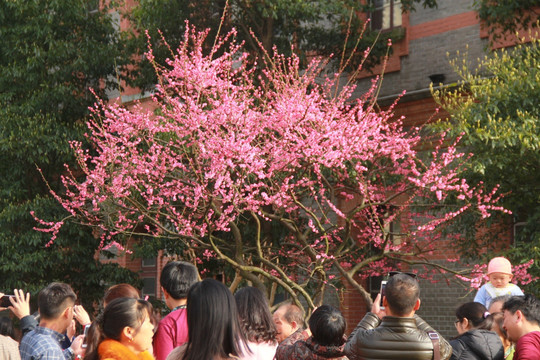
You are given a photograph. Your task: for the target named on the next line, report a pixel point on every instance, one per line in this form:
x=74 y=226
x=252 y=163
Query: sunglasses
x=392 y=273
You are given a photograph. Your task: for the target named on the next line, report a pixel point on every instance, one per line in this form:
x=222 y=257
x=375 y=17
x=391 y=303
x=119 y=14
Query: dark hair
x=6 y=327
x=177 y=277
x=402 y=291
x=527 y=304
x=120 y=291
x=118 y=314
x=293 y=313
x=213 y=322
x=476 y=314
x=327 y=325
x=255 y=316
x=54 y=299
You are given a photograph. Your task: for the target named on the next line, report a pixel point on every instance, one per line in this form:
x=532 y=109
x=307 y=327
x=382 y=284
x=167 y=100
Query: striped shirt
x=43 y=344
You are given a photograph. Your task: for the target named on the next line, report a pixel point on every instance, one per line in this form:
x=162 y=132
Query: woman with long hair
x=257 y=324
x=123 y=331
x=476 y=341
x=213 y=324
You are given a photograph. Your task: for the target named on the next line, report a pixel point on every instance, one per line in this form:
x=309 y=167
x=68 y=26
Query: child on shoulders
x=500 y=275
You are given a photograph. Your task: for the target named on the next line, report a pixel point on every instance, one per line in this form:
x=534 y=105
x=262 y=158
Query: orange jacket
x=114 y=350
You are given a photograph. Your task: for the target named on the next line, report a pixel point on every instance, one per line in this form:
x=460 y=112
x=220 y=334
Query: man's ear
x=519 y=316
x=166 y=295
x=294 y=325
x=68 y=312
x=417 y=305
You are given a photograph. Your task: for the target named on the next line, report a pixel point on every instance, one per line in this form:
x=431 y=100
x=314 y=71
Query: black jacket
x=393 y=338
x=477 y=345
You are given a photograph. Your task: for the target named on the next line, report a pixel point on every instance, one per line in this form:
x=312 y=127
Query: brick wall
x=439 y=302
x=433 y=36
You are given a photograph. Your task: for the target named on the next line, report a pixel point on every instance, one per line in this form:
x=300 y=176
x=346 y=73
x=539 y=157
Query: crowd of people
x=207 y=322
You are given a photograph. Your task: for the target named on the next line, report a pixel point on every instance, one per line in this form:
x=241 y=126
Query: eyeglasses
x=392 y=273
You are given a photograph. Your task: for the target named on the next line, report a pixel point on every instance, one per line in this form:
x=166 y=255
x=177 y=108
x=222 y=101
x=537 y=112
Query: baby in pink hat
x=500 y=274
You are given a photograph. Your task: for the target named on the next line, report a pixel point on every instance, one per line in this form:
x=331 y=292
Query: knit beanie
x=499 y=265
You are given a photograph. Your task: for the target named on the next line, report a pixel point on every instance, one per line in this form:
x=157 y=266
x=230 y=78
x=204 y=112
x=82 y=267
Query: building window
x=149 y=286
x=149 y=262
x=386 y=14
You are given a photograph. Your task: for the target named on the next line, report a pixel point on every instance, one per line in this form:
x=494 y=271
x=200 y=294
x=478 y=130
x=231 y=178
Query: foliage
x=285 y=179
x=315 y=27
x=496 y=107
x=509 y=16
x=47 y=63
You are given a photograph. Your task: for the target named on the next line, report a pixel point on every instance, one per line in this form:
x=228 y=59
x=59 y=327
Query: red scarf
x=114 y=350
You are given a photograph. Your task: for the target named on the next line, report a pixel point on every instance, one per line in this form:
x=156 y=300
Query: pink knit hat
x=499 y=265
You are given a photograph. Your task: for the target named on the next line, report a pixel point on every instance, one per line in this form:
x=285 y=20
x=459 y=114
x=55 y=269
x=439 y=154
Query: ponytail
x=94 y=337
x=476 y=314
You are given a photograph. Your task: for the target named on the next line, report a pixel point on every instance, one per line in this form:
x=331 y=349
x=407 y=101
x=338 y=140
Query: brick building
x=419 y=59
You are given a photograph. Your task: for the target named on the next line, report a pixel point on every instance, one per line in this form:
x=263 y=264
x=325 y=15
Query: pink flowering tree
x=277 y=174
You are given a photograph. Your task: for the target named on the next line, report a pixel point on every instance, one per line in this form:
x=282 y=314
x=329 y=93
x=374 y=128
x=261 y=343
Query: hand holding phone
x=84 y=343
x=5 y=301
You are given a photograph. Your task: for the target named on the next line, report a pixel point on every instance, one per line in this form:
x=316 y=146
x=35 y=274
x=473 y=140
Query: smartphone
x=4 y=300
x=383 y=287
x=84 y=343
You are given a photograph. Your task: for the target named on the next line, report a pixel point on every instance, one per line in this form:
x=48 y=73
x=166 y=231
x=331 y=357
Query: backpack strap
x=435 y=340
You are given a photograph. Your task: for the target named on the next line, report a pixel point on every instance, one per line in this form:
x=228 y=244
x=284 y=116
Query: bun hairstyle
x=118 y=314
x=476 y=314
x=327 y=325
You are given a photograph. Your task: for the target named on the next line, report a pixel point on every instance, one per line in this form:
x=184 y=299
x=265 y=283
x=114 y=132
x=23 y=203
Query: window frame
x=391 y=15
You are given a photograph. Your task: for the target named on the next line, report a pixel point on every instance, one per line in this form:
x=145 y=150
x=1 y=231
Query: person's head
x=6 y=327
x=497 y=326
x=120 y=291
x=499 y=272
x=177 y=277
x=214 y=329
x=472 y=315
x=288 y=318
x=255 y=316
x=125 y=320
x=521 y=316
x=402 y=295
x=327 y=326
x=496 y=304
x=55 y=304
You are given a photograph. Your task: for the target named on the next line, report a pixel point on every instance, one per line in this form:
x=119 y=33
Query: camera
x=4 y=300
